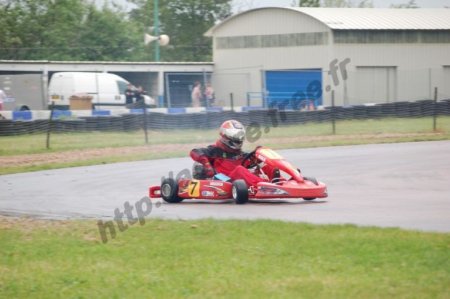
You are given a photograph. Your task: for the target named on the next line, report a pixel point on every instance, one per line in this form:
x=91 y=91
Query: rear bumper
x=291 y=189
x=154 y=192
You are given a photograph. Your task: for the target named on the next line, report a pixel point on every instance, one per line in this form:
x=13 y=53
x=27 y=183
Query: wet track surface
x=403 y=185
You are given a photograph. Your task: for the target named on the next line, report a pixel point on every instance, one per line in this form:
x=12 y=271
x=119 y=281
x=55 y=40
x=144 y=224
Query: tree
x=309 y=3
x=39 y=29
x=109 y=36
x=57 y=30
x=335 y=3
x=65 y=30
x=410 y=4
x=243 y=5
x=365 y=4
x=185 y=21
x=9 y=30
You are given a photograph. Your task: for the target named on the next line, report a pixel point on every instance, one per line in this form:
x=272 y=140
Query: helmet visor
x=233 y=143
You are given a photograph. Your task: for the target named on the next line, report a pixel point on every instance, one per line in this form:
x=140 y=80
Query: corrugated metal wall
x=242 y=70
x=377 y=73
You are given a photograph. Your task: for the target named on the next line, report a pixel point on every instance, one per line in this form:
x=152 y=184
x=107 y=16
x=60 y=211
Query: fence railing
x=145 y=119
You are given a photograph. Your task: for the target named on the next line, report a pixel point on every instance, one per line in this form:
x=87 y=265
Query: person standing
x=2 y=99
x=129 y=94
x=196 y=94
x=209 y=95
x=139 y=94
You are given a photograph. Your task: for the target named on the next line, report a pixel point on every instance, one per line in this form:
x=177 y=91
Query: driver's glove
x=209 y=170
x=253 y=161
x=207 y=167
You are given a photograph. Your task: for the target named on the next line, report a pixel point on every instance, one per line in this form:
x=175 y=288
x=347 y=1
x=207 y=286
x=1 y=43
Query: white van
x=107 y=90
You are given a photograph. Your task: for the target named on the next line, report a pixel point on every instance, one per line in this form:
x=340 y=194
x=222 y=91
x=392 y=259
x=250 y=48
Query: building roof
x=368 y=18
x=381 y=18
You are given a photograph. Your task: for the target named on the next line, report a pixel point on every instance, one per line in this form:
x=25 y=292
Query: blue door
x=294 y=89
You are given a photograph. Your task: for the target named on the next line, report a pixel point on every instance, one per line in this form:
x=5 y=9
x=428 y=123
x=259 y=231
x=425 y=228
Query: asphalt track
x=404 y=185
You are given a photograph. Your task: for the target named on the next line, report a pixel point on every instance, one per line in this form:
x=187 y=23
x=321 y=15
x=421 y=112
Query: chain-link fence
x=257 y=97
x=138 y=119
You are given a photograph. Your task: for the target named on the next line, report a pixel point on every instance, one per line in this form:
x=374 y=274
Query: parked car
x=107 y=90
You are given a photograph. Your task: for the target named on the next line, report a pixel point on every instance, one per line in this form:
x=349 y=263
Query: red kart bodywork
x=292 y=185
x=205 y=189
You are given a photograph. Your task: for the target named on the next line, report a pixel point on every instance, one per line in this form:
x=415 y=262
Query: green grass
x=59 y=142
x=222 y=259
x=88 y=162
x=367 y=126
x=35 y=143
x=352 y=132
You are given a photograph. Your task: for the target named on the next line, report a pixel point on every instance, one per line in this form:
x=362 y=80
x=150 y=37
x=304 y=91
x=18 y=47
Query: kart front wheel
x=239 y=192
x=169 y=191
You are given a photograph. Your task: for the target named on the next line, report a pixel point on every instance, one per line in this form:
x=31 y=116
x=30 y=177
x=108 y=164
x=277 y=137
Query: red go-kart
x=291 y=184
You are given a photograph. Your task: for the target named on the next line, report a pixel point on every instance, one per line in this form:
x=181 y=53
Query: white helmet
x=232 y=134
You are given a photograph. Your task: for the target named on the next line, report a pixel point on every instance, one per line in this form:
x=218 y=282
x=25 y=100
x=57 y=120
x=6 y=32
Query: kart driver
x=226 y=156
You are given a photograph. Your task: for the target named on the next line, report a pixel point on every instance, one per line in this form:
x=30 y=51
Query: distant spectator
x=196 y=94
x=209 y=95
x=2 y=99
x=139 y=94
x=129 y=94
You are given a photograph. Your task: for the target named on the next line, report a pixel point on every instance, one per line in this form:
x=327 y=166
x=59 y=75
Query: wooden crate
x=80 y=102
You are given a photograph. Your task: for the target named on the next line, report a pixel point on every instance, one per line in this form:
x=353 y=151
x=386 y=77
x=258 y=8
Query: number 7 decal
x=194 y=188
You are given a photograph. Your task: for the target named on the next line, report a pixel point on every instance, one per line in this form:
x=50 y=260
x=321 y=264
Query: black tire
x=239 y=192
x=309 y=198
x=169 y=191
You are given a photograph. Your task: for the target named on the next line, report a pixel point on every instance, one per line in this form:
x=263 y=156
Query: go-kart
x=290 y=184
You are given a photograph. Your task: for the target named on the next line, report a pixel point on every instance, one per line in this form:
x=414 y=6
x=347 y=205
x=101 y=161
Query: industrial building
x=286 y=56
x=366 y=55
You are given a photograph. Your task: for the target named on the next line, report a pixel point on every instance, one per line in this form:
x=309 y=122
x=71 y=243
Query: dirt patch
x=29 y=223
x=91 y=154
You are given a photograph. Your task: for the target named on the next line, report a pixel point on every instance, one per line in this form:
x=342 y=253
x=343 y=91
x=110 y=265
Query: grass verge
x=88 y=162
x=28 y=152
x=221 y=259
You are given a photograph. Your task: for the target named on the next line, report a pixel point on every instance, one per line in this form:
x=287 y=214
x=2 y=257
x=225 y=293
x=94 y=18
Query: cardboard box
x=80 y=102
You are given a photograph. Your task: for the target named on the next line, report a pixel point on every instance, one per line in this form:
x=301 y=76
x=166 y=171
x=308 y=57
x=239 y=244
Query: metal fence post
x=145 y=122
x=435 y=108
x=231 y=102
x=333 y=120
x=50 y=124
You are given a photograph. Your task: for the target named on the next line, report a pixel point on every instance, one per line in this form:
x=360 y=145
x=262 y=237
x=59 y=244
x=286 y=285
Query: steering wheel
x=249 y=155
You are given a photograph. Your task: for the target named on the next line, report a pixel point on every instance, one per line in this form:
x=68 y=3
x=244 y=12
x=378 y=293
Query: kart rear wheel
x=239 y=192
x=169 y=191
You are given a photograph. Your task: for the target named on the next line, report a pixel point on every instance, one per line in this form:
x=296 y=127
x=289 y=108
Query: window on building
x=391 y=36
x=272 y=40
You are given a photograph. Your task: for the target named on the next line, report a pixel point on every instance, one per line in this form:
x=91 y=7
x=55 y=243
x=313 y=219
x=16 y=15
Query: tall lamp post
x=156 y=27
x=162 y=40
